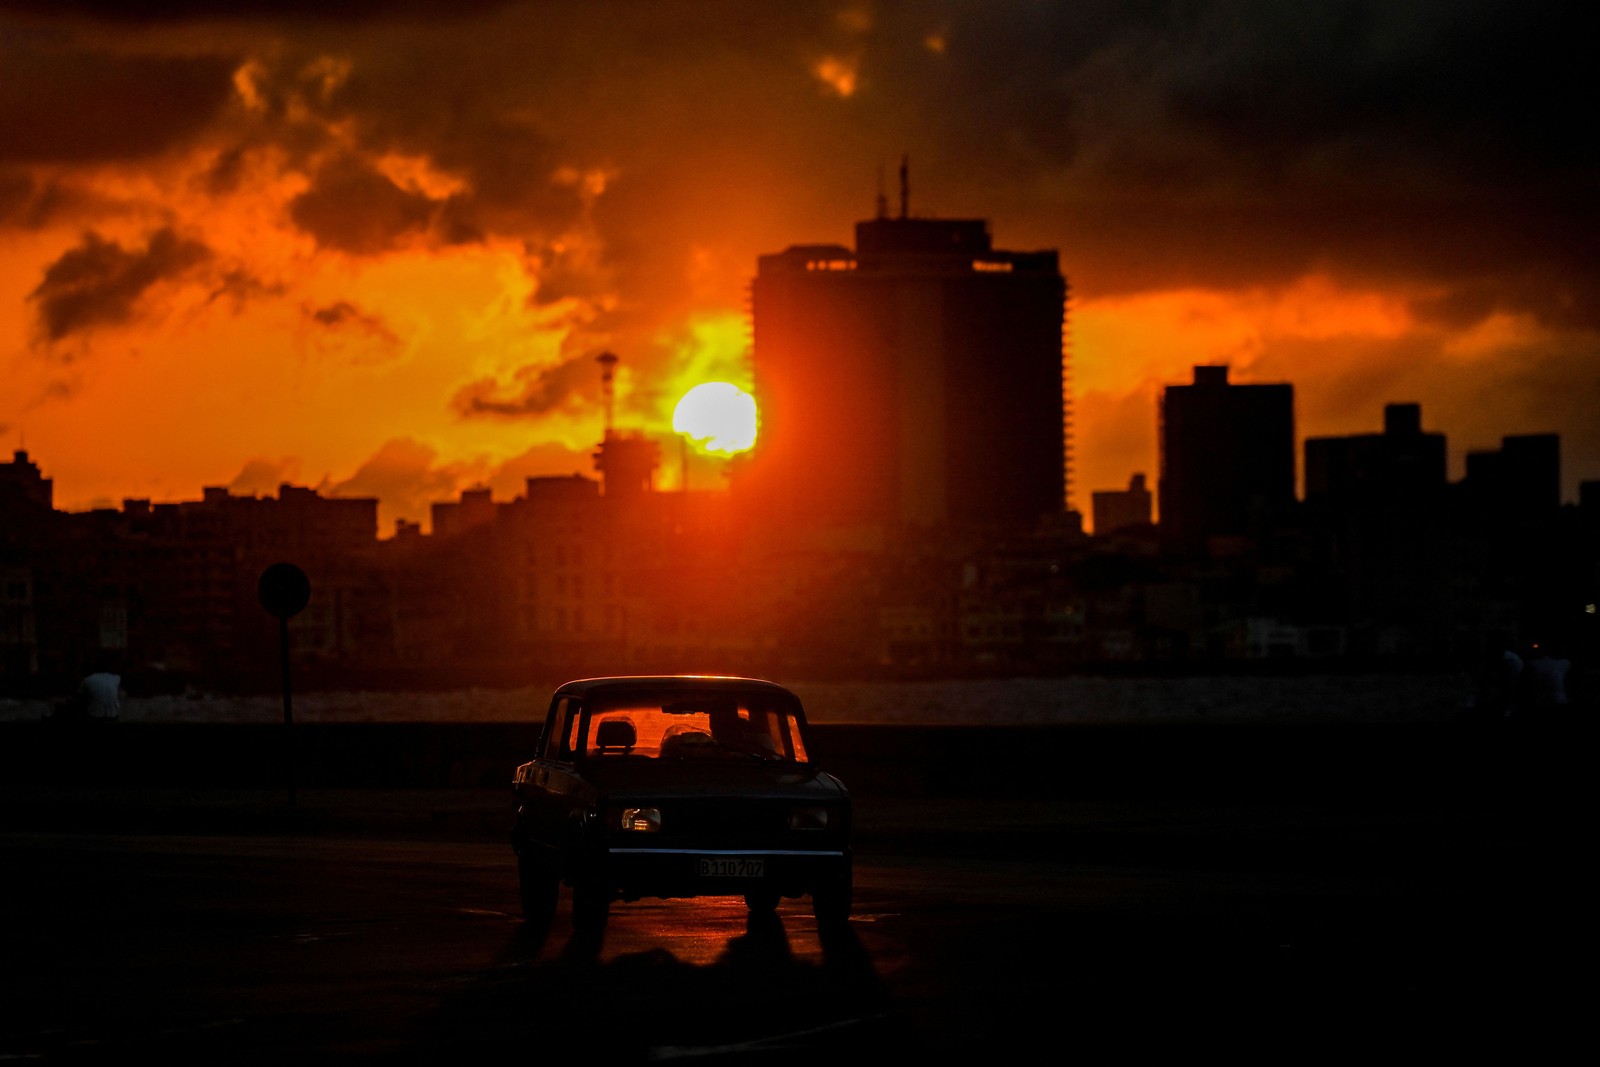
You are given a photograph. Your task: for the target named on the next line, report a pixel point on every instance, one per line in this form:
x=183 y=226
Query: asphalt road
x=220 y=927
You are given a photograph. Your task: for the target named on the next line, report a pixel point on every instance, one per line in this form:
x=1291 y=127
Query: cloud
x=262 y=477
x=343 y=315
x=641 y=156
x=17 y=195
x=303 y=11
x=408 y=477
x=353 y=208
x=63 y=105
x=509 y=479
x=100 y=283
x=403 y=476
x=570 y=385
x=240 y=287
x=1113 y=437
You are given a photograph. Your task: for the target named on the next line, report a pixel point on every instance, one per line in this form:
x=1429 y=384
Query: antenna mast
x=905 y=187
x=608 y=363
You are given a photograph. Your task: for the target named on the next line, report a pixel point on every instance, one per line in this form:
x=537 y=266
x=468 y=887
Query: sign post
x=285 y=591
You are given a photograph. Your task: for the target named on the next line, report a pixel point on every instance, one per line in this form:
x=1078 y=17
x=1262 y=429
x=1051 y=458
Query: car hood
x=706 y=778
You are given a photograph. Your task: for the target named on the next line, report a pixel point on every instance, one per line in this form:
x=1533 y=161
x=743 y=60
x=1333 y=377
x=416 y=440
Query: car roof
x=670 y=683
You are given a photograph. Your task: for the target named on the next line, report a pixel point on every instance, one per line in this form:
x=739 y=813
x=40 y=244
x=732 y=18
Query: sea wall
x=1057 y=761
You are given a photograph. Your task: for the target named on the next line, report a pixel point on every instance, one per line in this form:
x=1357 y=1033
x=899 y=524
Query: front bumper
x=634 y=871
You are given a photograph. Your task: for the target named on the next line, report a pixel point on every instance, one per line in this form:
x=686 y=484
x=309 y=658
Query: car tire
x=831 y=901
x=591 y=906
x=539 y=887
x=762 y=901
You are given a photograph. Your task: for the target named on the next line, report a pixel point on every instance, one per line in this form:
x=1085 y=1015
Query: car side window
x=563 y=723
x=574 y=721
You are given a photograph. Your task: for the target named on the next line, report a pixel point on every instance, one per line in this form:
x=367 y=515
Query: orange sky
x=376 y=251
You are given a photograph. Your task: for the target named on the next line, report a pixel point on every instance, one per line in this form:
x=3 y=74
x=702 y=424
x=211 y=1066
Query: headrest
x=615 y=733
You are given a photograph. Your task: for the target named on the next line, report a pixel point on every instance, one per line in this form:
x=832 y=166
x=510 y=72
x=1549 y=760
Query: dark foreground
x=1278 y=897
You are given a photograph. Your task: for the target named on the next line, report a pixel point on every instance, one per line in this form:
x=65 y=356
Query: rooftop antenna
x=883 y=197
x=608 y=364
x=905 y=187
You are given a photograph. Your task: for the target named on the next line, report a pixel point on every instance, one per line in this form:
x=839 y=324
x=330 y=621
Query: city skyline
x=377 y=254
x=478 y=496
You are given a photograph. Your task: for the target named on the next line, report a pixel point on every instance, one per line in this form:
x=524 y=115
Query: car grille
x=719 y=819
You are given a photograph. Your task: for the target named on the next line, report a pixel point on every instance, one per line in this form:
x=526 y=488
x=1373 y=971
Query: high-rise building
x=1401 y=467
x=914 y=381
x=1227 y=459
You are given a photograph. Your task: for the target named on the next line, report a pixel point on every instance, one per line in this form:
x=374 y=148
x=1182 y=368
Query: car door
x=552 y=795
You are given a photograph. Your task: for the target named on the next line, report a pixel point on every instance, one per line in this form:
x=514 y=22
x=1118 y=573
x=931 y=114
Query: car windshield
x=711 y=727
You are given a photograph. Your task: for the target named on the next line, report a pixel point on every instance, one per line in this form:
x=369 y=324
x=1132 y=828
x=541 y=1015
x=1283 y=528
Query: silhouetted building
x=1227 y=459
x=22 y=483
x=627 y=462
x=1398 y=568
x=476 y=507
x=1118 y=509
x=1402 y=466
x=1512 y=499
x=1521 y=480
x=916 y=380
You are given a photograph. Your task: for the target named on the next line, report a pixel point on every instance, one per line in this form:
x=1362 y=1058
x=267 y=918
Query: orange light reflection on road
x=702 y=932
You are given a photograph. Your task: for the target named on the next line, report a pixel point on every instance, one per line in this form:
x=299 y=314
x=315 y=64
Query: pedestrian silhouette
x=1544 y=684
x=1495 y=688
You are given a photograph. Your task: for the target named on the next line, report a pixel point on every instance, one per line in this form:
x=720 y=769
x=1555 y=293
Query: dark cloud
x=100 y=283
x=240 y=287
x=343 y=315
x=353 y=208
x=305 y=11
x=17 y=197
x=1475 y=84
x=334 y=314
x=1403 y=146
x=452 y=103
x=70 y=106
x=536 y=391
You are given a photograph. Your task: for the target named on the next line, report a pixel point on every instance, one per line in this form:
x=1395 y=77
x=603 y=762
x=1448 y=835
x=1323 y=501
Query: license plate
x=732 y=867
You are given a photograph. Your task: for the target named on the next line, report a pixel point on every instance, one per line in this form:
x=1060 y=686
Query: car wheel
x=591 y=905
x=762 y=900
x=539 y=887
x=831 y=900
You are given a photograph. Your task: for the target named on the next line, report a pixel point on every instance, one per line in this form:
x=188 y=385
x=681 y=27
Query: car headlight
x=640 y=820
x=808 y=817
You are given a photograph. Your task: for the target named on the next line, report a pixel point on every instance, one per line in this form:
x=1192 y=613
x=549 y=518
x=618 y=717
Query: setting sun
x=718 y=416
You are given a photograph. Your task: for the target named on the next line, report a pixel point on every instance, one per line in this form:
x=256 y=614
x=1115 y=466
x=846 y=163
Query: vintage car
x=678 y=786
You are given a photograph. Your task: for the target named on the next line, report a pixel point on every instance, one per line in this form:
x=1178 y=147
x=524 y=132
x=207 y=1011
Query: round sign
x=284 y=590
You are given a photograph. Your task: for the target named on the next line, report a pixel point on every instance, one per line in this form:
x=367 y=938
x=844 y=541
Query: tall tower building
x=1227 y=459
x=916 y=380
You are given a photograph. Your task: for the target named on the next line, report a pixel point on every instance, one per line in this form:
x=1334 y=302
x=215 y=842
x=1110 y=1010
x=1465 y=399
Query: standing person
x=1497 y=684
x=1544 y=688
x=98 y=697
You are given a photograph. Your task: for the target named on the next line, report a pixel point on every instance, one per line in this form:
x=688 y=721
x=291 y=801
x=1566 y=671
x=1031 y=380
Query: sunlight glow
x=718 y=416
x=837 y=74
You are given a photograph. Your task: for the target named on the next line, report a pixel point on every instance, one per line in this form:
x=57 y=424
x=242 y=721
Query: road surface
x=381 y=926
